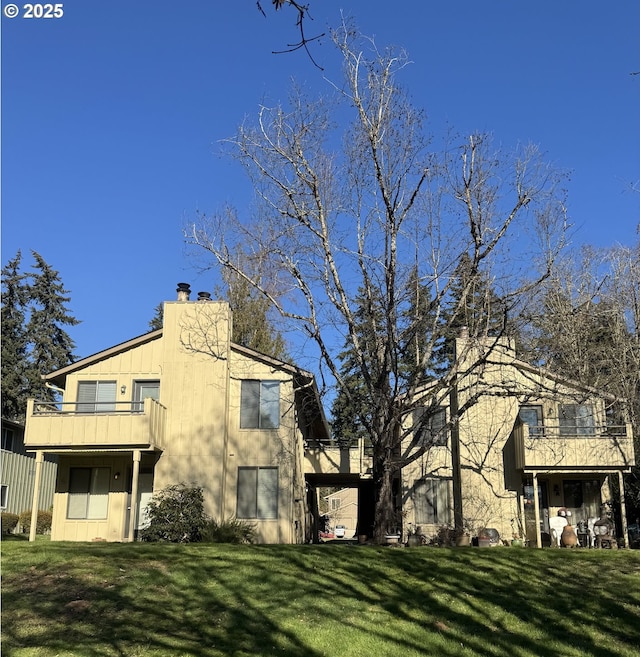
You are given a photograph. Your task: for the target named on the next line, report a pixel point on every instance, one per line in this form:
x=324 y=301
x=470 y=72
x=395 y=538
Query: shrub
x=9 y=522
x=229 y=531
x=176 y=515
x=43 y=523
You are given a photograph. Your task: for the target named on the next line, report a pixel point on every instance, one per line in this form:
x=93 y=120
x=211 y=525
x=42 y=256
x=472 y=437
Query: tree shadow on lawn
x=204 y=600
x=500 y=602
x=180 y=605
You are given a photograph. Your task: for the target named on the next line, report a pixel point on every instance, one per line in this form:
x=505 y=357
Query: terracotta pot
x=568 y=537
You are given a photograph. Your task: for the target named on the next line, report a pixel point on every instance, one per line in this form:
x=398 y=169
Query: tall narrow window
x=532 y=417
x=4 y=496
x=96 y=396
x=260 y=404
x=142 y=390
x=88 y=493
x=431 y=501
x=576 y=420
x=430 y=431
x=257 y=493
x=7 y=438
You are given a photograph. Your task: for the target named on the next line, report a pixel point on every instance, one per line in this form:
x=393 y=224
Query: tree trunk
x=385 y=516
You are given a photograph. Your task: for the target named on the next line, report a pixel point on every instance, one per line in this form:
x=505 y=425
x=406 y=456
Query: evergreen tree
x=349 y=408
x=472 y=305
x=252 y=324
x=14 y=341
x=51 y=347
x=157 y=320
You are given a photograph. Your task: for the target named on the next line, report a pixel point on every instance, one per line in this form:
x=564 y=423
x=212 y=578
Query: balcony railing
x=106 y=424
x=573 y=447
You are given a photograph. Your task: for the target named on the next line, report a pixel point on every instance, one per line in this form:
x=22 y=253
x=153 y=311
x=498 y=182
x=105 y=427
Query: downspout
x=36 y=495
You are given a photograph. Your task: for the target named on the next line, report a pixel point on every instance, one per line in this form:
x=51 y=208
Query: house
x=342 y=509
x=18 y=473
x=527 y=444
x=182 y=404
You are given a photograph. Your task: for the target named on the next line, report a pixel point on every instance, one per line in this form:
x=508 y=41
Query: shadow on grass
x=203 y=600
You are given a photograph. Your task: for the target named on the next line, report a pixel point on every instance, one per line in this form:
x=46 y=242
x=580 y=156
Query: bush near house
x=43 y=523
x=229 y=531
x=9 y=522
x=176 y=515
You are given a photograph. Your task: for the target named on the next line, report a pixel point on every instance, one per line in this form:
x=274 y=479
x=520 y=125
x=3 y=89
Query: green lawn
x=354 y=601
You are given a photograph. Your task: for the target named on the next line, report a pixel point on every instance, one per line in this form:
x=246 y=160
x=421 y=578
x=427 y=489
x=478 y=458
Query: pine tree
x=478 y=310
x=51 y=346
x=14 y=341
x=252 y=325
x=157 y=319
x=349 y=408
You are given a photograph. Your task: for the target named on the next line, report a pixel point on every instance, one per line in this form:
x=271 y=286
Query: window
x=431 y=502
x=532 y=417
x=88 y=493
x=260 y=405
x=7 y=438
x=4 y=495
x=96 y=396
x=576 y=420
x=335 y=503
x=257 y=493
x=142 y=390
x=430 y=431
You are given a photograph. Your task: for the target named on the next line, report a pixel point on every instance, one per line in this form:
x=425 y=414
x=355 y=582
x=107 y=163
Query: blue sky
x=112 y=117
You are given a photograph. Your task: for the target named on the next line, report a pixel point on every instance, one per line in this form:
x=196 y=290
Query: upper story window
x=335 y=503
x=532 y=417
x=430 y=431
x=96 y=396
x=576 y=420
x=142 y=390
x=7 y=438
x=260 y=404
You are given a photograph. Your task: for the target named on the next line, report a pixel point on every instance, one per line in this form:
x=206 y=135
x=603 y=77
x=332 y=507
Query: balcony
x=53 y=426
x=330 y=459
x=555 y=447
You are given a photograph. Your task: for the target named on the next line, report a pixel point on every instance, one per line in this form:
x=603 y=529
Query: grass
x=102 y=600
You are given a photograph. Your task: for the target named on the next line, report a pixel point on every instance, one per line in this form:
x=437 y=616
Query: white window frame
x=258 y=492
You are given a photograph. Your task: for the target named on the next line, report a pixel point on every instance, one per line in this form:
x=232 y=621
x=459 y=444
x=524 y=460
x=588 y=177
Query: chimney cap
x=204 y=296
x=184 y=290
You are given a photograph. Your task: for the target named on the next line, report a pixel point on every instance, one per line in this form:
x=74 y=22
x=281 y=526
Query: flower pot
x=392 y=539
x=464 y=540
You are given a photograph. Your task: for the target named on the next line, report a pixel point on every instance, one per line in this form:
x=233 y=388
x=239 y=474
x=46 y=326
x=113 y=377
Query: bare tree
x=374 y=212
